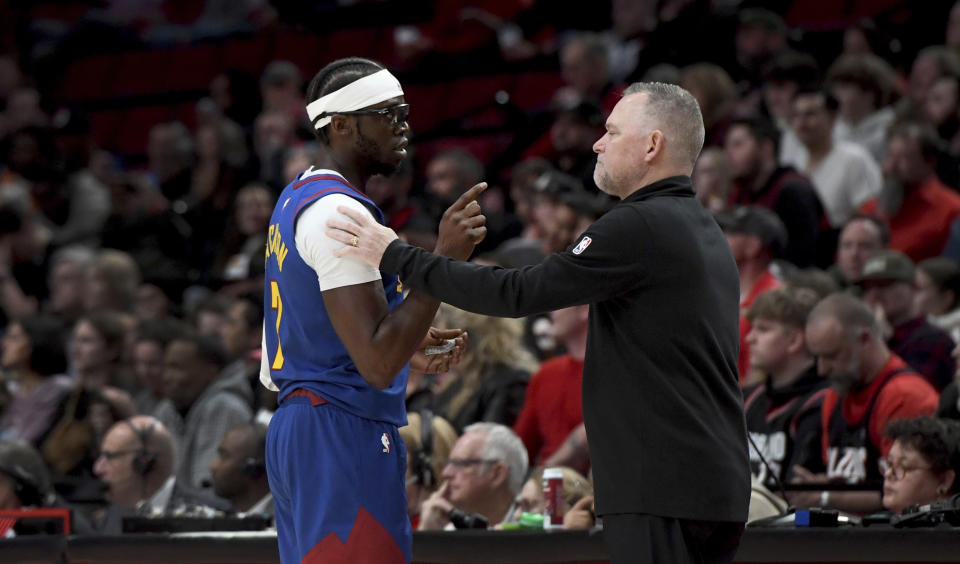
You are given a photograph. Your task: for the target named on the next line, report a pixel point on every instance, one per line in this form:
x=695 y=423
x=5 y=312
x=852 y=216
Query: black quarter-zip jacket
x=661 y=402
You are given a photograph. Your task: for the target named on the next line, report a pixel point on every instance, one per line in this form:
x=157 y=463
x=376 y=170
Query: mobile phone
x=446 y=347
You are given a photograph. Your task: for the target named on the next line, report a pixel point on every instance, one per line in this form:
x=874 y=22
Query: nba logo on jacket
x=582 y=245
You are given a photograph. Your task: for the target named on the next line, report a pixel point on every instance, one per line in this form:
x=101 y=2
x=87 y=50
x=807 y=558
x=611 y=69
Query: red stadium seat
x=187 y=114
x=472 y=93
x=70 y=12
x=250 y=55
x=182 y=11
x=105 y=126
x=427 y=105
x=142 y=72
x=132 y=136
x=533 y=90
x=350 y=42
x=92 y=77
x=301 y=49
x=192 y=67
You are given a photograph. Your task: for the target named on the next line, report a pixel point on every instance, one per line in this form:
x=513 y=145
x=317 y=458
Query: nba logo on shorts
x=385 y=440
x=582 y=246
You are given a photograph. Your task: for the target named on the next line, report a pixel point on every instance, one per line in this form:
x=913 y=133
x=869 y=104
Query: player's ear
x=340 y=126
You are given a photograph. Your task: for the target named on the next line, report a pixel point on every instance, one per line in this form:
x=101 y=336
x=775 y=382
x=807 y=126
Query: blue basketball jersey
x=302 y=347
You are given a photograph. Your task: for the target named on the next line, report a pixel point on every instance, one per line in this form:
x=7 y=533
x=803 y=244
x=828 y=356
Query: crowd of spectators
x=131 y=297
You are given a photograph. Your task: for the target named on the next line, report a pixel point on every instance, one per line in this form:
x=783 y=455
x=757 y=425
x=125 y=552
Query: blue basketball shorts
x=338 y=486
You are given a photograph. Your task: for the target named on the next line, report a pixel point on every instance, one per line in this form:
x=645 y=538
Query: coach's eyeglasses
x=396 y=115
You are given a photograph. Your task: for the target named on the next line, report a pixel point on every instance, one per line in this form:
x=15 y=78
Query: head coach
x=661 y=403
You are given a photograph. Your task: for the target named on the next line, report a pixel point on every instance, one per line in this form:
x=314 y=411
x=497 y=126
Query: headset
x=255 y=466
x=25 y=487
x=421 y=461
x=143 y=461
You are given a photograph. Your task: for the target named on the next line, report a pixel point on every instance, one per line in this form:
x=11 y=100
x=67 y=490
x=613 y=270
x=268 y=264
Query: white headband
x=361 y=93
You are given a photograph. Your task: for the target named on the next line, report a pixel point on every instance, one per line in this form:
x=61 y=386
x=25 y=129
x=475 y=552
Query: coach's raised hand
x=463 y=225
x=461 y=228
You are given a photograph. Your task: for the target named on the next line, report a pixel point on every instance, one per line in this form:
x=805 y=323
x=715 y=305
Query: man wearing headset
x=24 y=478
x=25 y=484
x=429 y=440
x=136 y=463
x=239 y=473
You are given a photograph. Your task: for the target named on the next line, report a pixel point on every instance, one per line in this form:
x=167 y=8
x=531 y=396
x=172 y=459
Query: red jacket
x=919 y=229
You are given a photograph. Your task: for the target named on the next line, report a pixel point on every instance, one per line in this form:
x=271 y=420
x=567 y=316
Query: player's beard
x=372 y=155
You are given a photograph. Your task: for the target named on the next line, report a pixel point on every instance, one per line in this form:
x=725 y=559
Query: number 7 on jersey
x=277 y=304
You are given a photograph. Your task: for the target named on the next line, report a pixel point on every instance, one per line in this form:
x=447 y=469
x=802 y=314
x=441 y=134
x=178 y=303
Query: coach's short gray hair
x=676 y=112
x=501 y=443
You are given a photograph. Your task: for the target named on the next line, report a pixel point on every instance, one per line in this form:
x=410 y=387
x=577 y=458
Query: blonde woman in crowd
x=577 y=494
x=490 y=383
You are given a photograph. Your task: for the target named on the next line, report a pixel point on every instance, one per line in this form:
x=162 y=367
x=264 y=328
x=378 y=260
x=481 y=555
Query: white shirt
x=870 y=133
x=316 y=249
x=949 y=322
x=158 y=502
x=791 y=149
x=846 y=178
x=265 y=505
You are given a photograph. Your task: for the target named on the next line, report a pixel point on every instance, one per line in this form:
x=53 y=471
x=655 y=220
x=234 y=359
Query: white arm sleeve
x=316 y=248
x=265 y=378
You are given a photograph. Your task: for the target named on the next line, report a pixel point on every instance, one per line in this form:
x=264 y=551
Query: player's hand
x=580 y=516
x=463 y=225
x=362 y=237
x=438 y=363
x=434 y=511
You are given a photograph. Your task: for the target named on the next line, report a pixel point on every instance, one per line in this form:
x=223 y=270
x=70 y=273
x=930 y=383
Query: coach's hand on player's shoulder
x=462 y=226
x=434 y=511
x=362 y=237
